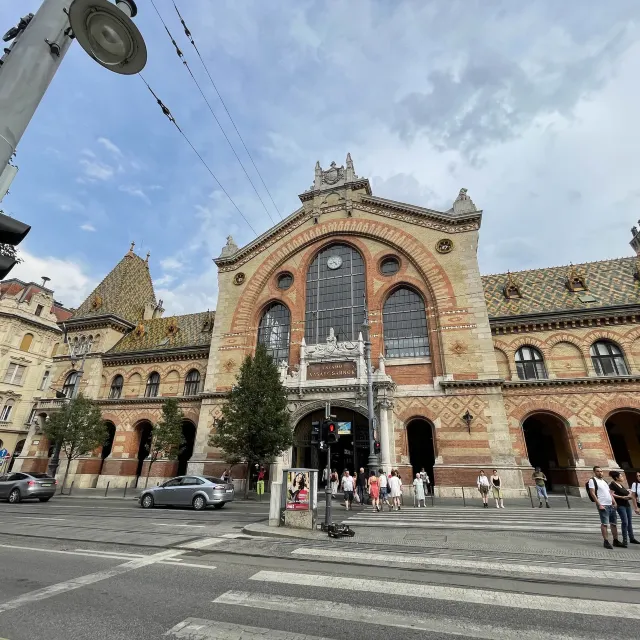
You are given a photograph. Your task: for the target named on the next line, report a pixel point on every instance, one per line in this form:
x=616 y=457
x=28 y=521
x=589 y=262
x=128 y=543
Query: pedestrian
x=635 y=487
x=601 y=494
x=540 y=479
x=356 y=497
x=325 y=475
x=226 y=475
x=374 y=490
x=625 y=500
x=383 y=482
x=496 y=488
x=347 y=488
x=483 y=488
x=260 y=481
x=362 y=485
x=419 y=485
x=424 y=476
x=395 y=485
x=335 y=482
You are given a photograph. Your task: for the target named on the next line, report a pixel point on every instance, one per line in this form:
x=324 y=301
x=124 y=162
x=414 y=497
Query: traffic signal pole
x=327 y=491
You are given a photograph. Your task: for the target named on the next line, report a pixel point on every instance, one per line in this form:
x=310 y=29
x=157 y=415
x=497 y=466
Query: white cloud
x=87 y=227
x=170 y=264
x=96 y=170
x=136 y=192
x=110 y=146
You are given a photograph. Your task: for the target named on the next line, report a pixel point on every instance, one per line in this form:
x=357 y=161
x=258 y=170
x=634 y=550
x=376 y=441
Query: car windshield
x=214 y=480
x=40 y=475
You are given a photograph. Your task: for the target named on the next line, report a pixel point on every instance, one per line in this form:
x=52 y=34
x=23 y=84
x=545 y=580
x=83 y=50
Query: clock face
x=334 y=262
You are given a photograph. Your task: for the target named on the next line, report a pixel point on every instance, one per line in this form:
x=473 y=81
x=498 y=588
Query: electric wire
x=169 y=115
x=180 y=55
x=192 y=41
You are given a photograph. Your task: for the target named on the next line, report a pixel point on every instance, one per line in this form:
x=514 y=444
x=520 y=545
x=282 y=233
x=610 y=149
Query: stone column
x=384 y=406
x=282 y=462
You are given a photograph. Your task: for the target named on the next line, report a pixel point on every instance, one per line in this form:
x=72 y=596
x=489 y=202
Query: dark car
x=15 y=487
x=198 y=492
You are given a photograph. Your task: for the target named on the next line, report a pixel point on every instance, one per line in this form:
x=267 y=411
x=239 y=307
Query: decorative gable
x=511 y=288
x=576 y=280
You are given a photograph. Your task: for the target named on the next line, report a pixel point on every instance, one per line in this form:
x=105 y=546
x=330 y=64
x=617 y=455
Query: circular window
x=285 y=280
x=389 y=266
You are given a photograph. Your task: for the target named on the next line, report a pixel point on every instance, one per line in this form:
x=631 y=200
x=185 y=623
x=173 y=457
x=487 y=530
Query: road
x=198 y=577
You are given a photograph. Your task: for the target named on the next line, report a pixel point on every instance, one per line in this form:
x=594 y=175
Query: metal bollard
x=531 y=498
x=432 y=493
x=566 y=496
x=71 y=487
x=464 y=500
x=107 y=489
x=124 y=495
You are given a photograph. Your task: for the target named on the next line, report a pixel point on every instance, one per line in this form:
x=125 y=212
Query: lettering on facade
x=322 y=370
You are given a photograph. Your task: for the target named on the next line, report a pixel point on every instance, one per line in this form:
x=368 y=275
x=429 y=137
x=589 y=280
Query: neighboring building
x=505 y=371
x=29 y=337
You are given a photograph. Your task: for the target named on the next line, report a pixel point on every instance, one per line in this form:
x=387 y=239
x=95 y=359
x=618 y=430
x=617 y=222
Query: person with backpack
x=600 y=493
x=625 y=499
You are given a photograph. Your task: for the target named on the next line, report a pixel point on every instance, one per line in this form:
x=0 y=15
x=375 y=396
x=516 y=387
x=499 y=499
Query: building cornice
x=141 y=400
x=571 y=382
x=166 y=355
x=98 y=322
x=362 y=183
x=32 y=321
x=468 y=384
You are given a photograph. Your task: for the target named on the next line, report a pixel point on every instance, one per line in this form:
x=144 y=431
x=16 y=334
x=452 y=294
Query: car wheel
x=219 y=506
x=199 y=503
x=44 y=499
x=14 y=496
x=147 y=501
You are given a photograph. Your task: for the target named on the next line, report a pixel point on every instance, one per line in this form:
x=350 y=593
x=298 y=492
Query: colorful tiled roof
x=174 y=332
x=123 y=293
x=609 y=283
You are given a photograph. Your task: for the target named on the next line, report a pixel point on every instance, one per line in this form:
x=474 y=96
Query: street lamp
x=372 y=462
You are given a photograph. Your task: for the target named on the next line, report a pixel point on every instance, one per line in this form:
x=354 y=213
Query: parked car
x=15 y=487
x=183 y=491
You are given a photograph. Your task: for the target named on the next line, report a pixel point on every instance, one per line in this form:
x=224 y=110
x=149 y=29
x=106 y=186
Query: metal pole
x=566 y=496
x=28 y=69
x=124 y=495
x=107 y=489
x=531 y=498
x=464 y=501
x=372 y=462
x=327 y=490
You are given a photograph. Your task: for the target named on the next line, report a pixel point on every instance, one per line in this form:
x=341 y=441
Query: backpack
x=595 y=487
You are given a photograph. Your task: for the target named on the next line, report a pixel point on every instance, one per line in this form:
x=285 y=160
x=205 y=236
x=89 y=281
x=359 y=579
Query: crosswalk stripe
x=200 y=629
x=454 y=563
x=466 y=525
x=385 y=617
x=457 y=594
x=200 y=543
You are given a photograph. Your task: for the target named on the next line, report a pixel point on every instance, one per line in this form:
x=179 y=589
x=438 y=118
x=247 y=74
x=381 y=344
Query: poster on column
x=298 y=490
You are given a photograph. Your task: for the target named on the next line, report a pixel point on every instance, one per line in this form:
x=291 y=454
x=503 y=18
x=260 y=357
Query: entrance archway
x=547 y=442
x=145 y=430
x=623 y=429
x=108 y=441
x=186 y=450
x=422 y=453
x=351 y=452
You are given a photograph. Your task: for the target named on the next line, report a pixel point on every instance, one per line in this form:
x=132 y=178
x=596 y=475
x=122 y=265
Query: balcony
x=50 y=404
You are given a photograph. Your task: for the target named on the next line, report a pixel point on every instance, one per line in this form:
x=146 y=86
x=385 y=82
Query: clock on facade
x=334 y=262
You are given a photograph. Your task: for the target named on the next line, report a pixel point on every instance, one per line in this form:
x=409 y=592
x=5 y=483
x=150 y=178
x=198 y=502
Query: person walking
x=383 y=482
x=374 y=490
x=625 y=500
x=540 y=479
x=260 y=482
x=496 y=488
x=601 y=494
x=335 y=482
x=418 y=485
x=483 y=488
x=362 y=486
x=424 y=476
x=635 y=487
x=347 y=487
x=395 y=485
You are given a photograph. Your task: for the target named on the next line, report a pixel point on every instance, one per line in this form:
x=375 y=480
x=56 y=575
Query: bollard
x=432 y=493
x=107 y=489
x=464 y=500
x=71 y=487
x=566 y=496
x=124 y=495
x=531 y=498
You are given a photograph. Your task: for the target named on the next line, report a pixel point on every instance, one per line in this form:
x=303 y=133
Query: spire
x=146 y=260
x=130 y=253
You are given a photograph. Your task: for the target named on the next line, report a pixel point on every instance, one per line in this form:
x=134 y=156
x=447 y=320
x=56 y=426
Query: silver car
x=198 y=492
x=15 y=487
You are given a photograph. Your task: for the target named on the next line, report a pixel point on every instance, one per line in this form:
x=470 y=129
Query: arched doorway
x=107 y=445
x=186 y=450
x=623 y=429
x=145 y=430
x=547 y=442
x=17 y=452
x=351 y=452
x=422 y=453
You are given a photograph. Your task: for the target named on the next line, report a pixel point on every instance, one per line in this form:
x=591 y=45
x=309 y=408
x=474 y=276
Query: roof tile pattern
x=610 y=282
x=193 y=330
x=123 y=293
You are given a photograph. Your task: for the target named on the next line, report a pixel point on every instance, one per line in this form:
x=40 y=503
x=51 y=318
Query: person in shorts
x=602 y=496
x=347 y=487
x=384 y=488
x=539 y=478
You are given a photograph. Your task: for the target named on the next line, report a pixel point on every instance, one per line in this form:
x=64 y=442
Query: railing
x=49 y=404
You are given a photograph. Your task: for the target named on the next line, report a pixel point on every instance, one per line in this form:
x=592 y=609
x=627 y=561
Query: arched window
x=273 y=331
x=54 y=351
x=5 y=414
x=26 y=342
x=153 y=385
x=44 y=384
x=608 y=359
x=32 y=414
x=192 y=383
x=530 y=364
x=405 y=325
x=335 y=295
x=69 y=387
x=116 y=387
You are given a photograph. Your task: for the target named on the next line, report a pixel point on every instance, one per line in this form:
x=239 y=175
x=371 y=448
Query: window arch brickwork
x=404 y=320
x=274 y=331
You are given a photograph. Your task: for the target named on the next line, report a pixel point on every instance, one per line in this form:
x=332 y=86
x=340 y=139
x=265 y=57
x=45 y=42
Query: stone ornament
x=445 y=245
x=172 y=327
x=239 y=278
x=229 y=365
x=139 y=330
x=96 y=303
x=459 y=347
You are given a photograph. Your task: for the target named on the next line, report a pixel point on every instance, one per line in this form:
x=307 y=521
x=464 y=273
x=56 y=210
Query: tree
x=78 y=429
x=166 y=437
x=255 y=421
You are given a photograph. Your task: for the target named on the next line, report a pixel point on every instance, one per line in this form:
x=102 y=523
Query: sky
x=530 y=106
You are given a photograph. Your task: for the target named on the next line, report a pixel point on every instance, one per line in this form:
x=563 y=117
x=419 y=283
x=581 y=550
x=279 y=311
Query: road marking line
x=83 y=581
x=35 y=518
x=200 y=629
x=187 y=564
x=169 y=524
x=490 y=525
x=236 y=536
x=77 y=552
x=386 y=617
x=458 y=594
x=112 y=553
x=454 y=563
x=200 y=544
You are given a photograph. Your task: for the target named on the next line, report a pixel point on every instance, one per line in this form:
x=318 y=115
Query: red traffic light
x=332 y=427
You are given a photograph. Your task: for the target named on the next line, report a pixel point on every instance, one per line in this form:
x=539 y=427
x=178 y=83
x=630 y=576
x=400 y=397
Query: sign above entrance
x=322 y=370
x=344 y=428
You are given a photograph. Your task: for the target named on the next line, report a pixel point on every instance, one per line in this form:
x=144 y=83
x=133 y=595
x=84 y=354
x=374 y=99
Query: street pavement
x=74 y=569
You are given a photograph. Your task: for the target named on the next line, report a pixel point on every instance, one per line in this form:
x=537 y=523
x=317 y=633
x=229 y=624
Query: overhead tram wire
x=192 y=41
x=169 y=115
x=180 y=55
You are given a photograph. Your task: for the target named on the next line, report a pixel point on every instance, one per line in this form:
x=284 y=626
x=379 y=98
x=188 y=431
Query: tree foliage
x=166 y=437
x=255 y=423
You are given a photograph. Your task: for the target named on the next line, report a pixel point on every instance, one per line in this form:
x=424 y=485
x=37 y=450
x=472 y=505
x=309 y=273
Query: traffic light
x=332 y=432
x=12 y=232
x=315 y=433
x=376 y=447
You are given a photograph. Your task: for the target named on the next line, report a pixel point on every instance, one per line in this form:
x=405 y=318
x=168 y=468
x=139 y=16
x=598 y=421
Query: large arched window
x=273 y=331
x=530 y=364
x=27 y=339
x=608 y=359
x=405 y=325
x=192 y=383
x=153 y=385
x=69 y=386
x=116 y=387
x=335 y=295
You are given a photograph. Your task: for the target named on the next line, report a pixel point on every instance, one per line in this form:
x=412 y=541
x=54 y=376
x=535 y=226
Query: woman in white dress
x=418 y=485
x=395 y=486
